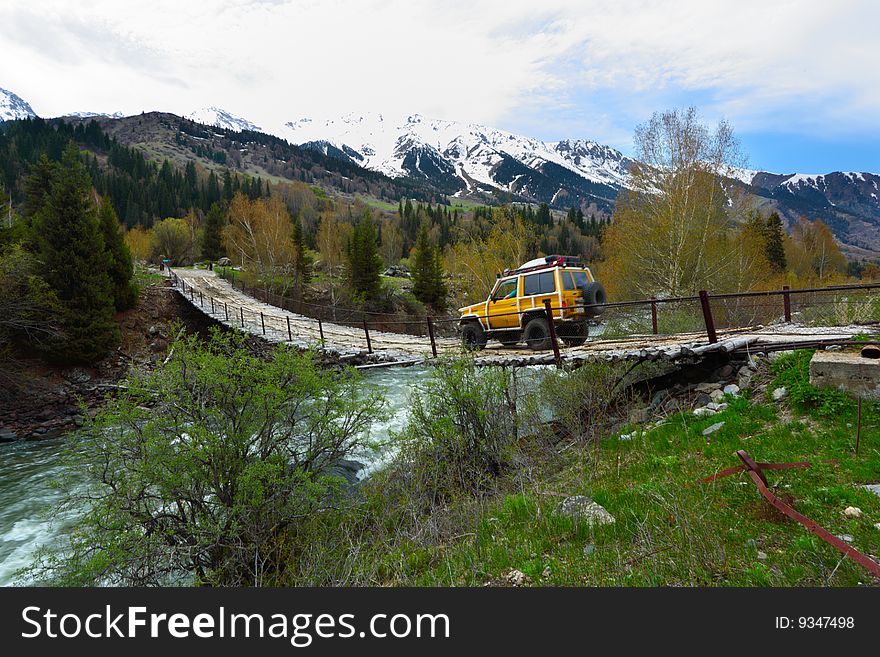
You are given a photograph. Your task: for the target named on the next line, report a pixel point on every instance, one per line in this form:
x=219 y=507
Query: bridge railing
x=702 y=316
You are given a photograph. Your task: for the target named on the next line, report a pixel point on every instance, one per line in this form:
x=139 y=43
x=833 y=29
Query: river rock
x=517 y=578
x=701 y=400
x=852 y=512
x=724 y=372
x=779 y=394
x=874 y=488
x=659 y=398
x=77 y=375
x=583 y=508
x=731 y=389
x=708 y=431
x=717 y=395
x=703 y=412
x=8 y=436
x=346 y=469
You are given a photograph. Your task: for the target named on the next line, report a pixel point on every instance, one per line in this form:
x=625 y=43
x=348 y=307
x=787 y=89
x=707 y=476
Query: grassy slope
x=672 y=531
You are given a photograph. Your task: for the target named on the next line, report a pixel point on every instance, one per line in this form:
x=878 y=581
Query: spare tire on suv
x=594 y=297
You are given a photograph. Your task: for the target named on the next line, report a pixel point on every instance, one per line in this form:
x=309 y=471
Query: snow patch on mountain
x=12 y=107
x=220 y=118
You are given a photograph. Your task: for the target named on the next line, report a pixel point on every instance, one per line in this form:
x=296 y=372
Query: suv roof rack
x=546 y=263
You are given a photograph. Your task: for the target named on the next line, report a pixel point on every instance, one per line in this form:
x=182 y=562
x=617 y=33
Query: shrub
x=201 y=467
x=460 y=431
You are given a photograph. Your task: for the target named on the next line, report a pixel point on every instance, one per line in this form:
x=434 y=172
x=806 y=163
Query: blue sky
x=799 y=80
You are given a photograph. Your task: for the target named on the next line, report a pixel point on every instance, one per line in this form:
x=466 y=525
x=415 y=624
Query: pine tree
x=36 y=186
x=423 y=267
x=363 y=258
x=212 y=243
x=119 y=264
x=774 y=242
x=542 y=216
x=76 y=263
x=302 y=262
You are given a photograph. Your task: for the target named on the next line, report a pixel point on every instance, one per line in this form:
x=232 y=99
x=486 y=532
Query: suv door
x=537 y=287
x=503 y=302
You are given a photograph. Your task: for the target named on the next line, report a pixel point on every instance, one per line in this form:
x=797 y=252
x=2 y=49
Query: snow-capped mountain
x=464 y=157
x=220 y=118
x=13 y=107
x=96 y=115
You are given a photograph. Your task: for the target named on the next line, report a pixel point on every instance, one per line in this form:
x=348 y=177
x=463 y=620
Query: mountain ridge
x=490 y=165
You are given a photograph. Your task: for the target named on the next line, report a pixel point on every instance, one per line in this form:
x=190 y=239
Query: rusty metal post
x=289 y=333
x=192 y=295
x=321 y=331
x=263 y=323
x=367 y=333
x=859 y=426
x=226 y=309
x=241 y=312
x=786 y=302
x=212 y=304
x=552 y=327
x=431 y=335
x=654 y=315
x=707 y=317
x=201 y=299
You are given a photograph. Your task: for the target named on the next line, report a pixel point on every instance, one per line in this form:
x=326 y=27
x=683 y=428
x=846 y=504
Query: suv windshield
x=505 y=289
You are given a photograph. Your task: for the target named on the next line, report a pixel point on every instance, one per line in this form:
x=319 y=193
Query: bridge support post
x=289 y=332
x=226 y=308
x=321 y=331
x=367 y=333
x=201 y=299
x=263 y=323
x=786 y=303
x=431 y=335
x=654 y=315
x=212 y=304
x=552 y=327
x=241 y=313
x=707 y=317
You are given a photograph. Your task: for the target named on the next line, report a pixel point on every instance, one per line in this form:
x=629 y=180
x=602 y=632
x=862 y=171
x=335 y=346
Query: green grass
x=669 y=529
x=144 y=277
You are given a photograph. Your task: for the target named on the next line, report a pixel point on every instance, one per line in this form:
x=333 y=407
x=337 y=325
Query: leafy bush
x=585 y=402
x=201 y=467
x=460 y=432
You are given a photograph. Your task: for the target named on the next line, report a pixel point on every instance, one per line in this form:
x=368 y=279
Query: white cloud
x=769 y=65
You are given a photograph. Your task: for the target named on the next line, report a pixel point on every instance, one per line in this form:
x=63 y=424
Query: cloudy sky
x=799 y=80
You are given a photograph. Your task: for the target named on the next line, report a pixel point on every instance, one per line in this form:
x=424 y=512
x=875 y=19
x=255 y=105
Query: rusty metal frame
x=755 y=471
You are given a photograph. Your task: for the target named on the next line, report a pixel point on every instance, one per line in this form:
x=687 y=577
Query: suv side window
x=567 y=282
x=580 y=278
x=543 y=283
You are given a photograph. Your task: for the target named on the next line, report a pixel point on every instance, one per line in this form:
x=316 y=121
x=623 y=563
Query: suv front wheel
x=473 y=337
x=537 y=334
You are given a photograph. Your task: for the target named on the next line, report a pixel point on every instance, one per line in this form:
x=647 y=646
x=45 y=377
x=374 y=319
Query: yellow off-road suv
x=515 y=309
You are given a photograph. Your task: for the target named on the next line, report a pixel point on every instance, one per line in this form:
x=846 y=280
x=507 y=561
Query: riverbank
x=42 y=401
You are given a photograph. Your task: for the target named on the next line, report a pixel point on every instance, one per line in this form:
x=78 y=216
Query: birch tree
x=259 y=236
x=669 y=231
